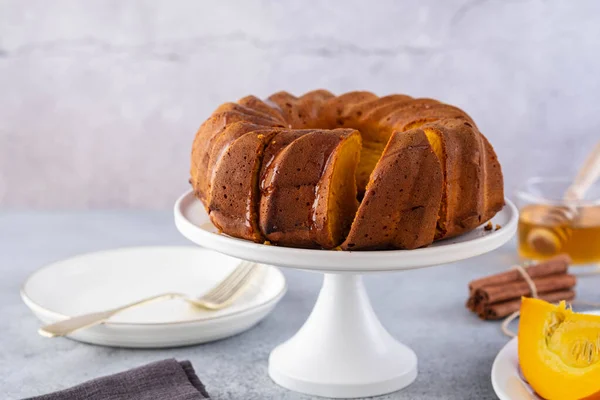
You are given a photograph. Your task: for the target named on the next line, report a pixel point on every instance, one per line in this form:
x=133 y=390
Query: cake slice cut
x=459 y=148
x=225 y=115
x=222 y=141
x=336 y=202
x=402 y=199
x=369 y=117
x=234 y=197
x=365 y=117
x=308 y=188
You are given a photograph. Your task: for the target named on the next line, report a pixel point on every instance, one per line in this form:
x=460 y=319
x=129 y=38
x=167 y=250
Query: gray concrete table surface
x=423 y=308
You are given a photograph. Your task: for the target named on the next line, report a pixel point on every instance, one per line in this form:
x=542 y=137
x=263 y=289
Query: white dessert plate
x=107 y=279
x=507 y=380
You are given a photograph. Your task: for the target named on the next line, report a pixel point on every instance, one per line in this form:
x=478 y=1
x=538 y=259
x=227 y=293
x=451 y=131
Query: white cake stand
x=342 y=350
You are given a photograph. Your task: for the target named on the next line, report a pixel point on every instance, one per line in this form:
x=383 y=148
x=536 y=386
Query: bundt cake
x=354 y=172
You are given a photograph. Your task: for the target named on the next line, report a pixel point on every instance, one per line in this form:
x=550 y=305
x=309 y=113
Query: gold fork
x=219 y=297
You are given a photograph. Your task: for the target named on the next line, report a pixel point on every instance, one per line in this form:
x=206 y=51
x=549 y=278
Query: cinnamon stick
x=471 y=303
x=495 y=294
x=505 y=308
x=555 y=265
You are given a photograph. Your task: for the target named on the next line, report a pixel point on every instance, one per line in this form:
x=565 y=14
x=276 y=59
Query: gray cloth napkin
x=167 y=379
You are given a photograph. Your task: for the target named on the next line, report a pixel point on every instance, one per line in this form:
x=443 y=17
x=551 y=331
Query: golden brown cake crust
x=375 y=110
x=220 y=144
x=493 y=194
x=289 y=206
x=233 y=201
x=399 y=211
x=338 y=109
x=462 y=164
x=424 y=171
x=410 y=117
x=256 y=104
x=224 y=116
x=335 y=196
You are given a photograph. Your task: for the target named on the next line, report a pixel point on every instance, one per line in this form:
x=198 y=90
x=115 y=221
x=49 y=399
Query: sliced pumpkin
x=559 y=350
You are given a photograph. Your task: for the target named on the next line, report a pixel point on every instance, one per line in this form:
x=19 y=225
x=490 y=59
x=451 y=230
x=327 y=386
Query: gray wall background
x=99 y=100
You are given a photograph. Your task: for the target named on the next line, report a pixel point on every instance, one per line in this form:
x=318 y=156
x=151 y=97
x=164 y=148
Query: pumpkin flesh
x=559 y=351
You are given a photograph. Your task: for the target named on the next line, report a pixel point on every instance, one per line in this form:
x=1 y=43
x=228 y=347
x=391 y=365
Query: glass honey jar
x=549 y=225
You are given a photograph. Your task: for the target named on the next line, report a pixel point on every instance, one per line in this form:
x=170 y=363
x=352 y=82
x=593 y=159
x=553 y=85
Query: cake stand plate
x=342 y=350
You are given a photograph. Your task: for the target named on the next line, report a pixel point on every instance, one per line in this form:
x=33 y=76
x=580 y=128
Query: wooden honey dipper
x=549 y=240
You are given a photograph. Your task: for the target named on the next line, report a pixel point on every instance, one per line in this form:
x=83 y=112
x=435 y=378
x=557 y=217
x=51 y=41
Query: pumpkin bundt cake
x=355 y=172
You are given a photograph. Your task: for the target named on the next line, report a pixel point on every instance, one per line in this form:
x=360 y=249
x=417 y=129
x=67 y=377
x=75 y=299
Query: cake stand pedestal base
x=342 y=350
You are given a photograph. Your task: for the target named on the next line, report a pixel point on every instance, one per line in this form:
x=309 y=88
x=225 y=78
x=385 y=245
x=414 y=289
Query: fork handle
x=69 y=325
x=66 y=326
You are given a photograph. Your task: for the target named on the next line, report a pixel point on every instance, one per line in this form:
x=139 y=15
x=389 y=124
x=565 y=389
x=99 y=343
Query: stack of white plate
x=107 y=279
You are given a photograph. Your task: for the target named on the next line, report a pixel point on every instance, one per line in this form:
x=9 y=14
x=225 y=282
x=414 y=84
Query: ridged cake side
x=493 y=192
x=402 y=200
x=233 y=201
x=460 y=151
x=301 y=112
x=256 y=104
x=421 y=170
x=210 y=130
x=295 y=186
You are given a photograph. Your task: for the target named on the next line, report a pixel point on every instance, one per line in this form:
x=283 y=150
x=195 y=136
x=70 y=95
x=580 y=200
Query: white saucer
x=102 y=280
x=507 y=380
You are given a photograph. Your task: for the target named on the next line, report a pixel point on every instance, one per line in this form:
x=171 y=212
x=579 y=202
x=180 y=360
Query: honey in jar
x=549 y=224
x=579 y=237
